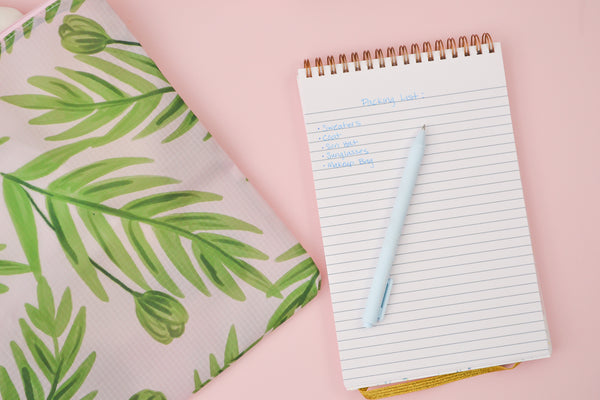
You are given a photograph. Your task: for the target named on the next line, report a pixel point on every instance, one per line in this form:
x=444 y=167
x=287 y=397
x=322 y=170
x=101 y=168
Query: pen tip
x=423 y=127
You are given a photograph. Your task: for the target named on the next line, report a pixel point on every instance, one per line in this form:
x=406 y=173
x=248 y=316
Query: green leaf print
x=81 y=193
x=4 y=139
x=232 y=353
x=53 y=362
x=305 y=270
x=70 y=99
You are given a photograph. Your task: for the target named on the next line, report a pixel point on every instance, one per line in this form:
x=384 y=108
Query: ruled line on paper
x=431 y=96
x=503 y=96
x=450 y=344
x=443 y=335
x=471 y=360
x=399 y=332
x=448 y=305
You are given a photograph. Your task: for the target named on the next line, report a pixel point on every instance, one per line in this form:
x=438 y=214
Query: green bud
x=148 y=395
x=81 y=35
x=161 y=315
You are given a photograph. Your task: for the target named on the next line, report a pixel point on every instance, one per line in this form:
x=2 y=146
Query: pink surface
x=235 y=65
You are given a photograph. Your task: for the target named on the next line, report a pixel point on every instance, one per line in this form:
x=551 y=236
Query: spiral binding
x=403 y=54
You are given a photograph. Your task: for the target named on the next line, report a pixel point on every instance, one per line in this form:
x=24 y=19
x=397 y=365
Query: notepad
x=465 y=292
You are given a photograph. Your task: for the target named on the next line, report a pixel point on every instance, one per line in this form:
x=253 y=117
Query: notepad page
x=465 y=292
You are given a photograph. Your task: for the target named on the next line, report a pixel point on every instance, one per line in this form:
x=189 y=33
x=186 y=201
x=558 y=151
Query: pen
x=382 y=283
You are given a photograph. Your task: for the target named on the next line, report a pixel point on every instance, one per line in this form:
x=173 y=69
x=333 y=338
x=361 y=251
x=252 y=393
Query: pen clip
x=384 y=300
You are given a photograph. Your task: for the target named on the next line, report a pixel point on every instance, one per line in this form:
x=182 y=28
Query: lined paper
x=465 y=292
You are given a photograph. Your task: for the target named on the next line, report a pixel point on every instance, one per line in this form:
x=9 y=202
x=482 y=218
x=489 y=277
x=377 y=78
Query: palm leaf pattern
x=27 y=27
x=232 y=353
x=11 y=268
x=85 y=191
x=305 y=270
x=55 y=362
x=93 y=101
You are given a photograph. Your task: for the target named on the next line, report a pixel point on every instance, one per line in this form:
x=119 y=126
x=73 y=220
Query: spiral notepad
x=465 y=293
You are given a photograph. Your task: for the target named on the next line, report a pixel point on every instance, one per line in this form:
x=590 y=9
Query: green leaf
x=28 y=28
x=198 y=221
x=90 y=124
x=21 y=213
x=31 y=383
x=168 y=115
x=110 y=188
x=215 y=369
x=41 y=354
x=7 y=387
x=141 y=62
x=301 y=271
x=72 y=344
x=60 y=117
x=73 y=246
x=63 y=314
x=295 y=251
x=105 y=89
x=60 y=88
x=3 y=288
x=233 y=247
x=188 y=123
x=75 y=180
x=9 y=41
x=13 y=268
x=162 y=202
x=249 y=274
x=35 y=101
x=90 y=396
x=135 y=81
x=171 y=244
x=106 y=237
x=68 y=389
x=232 y=351
x=144 y=250
x=218 y=275
x=133 y=119
x=74 y=7
x=298 y=298
x=51 y=11
x=45 y=300
x=42 y=321
x=198 y=384
x=207 y=137
x=2 y=246
x=50 y=161
x=4 y=139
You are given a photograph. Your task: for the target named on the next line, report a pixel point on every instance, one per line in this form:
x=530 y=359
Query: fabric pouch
x=136 y=261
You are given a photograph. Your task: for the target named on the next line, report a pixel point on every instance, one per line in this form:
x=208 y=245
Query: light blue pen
x=382 y=283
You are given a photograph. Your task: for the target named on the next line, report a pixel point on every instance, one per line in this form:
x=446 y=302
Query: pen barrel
x=393 y=232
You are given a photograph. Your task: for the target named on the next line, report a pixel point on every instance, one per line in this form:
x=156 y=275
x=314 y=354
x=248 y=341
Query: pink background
x=234 y=62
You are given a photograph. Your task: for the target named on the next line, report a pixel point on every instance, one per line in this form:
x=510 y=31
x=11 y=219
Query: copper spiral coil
x=380 y=57
x=486 y=38
x=354 y=58
x=476 y=41
x=404 y=53
x=391 y=53
x=429 y=50
x=414 y=49
x=439 y=46
x=331 y=63
x=368 y=59
x=451 y=44
x=464 y=43
x=344 y=63
x=308 y=68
